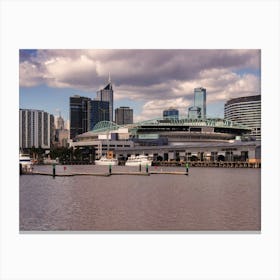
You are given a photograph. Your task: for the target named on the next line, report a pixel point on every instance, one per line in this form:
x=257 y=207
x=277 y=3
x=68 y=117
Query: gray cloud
x=139 y=67
x=148 y=75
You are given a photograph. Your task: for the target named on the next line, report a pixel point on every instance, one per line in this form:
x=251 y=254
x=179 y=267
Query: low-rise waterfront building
x=208 y=139
x=198 y=151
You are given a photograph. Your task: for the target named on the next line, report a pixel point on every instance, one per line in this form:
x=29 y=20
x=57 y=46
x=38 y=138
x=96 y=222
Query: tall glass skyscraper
x=107 y=94
x=97 y=111
x=78 y=115
x=200 y=100
x=198 y=111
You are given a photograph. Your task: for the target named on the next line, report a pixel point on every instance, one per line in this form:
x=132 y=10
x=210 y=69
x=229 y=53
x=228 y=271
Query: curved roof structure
x=104 y=126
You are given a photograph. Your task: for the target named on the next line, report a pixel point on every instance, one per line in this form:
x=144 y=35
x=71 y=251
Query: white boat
x=106 y=161
x=50 y=161
x=138 y=160
x=25 y=161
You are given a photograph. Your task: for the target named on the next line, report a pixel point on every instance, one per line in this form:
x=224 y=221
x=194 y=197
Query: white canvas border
x=158 y=24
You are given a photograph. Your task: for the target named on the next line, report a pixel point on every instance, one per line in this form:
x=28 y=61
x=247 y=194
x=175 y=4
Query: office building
x=246 y=111
x=59 y=122
x=124 y=115
x=78 y=115
x=171 y=113
x=194 y=113
x=36 y=129
x=200 y=100
x=61 y=133
x=106 y=94
x=199 y=108
x=67 y=125
x=97 y=111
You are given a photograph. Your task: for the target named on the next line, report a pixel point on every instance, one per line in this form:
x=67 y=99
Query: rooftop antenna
x=109 y=78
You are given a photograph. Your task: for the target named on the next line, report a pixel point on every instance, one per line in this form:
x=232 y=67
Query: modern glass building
x=36 y=129
x=246 y=111
x=107 y=94
x=78 y=115
x=124 y=115
x=194 y=113
x=200 y=100
x=97 y=111
x=171 y=113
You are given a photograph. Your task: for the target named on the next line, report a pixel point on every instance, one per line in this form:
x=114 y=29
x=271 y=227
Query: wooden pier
x=169 y=172
x=106 y=174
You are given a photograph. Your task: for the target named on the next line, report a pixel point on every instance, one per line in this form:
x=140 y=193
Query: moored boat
x=138 y=160
x=106 y=161
x=25 y=162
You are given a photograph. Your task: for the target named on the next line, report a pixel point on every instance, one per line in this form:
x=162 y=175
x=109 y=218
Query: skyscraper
x=97 y=111
x=200 y=100
x=106 y=94
x=199 y=108
x=124 y=115
x=36 y=128
x=59 y=122
x=78 y=115
x=171 y=113
x=247 y=111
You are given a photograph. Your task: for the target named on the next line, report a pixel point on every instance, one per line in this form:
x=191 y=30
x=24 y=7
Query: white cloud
x=154 y=108
x=30 y=75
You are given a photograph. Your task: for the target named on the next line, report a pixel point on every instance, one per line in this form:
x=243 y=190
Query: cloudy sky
x=149 y=81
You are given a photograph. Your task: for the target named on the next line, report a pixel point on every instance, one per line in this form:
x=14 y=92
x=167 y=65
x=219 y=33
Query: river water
x=207 y=199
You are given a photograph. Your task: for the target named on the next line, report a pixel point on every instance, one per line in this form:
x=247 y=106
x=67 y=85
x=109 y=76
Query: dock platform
x=107 y=174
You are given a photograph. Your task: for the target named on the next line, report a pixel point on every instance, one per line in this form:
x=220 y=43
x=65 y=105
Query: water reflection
x=207 y=199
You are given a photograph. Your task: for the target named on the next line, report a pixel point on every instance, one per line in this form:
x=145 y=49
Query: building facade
x=198 y=111
x=61 y=137
x=59 y=122
x=200 y=100
x=97 y=111
x=194 y=113
x=124 y=115
x=107 y=94
x=78 y=115
x=171 y=113
x=36 y=129
x=246 y=111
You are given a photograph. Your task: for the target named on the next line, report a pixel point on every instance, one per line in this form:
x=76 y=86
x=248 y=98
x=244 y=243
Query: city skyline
x=148 y=81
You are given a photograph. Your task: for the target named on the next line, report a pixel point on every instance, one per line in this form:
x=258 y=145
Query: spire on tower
x=109 y=78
